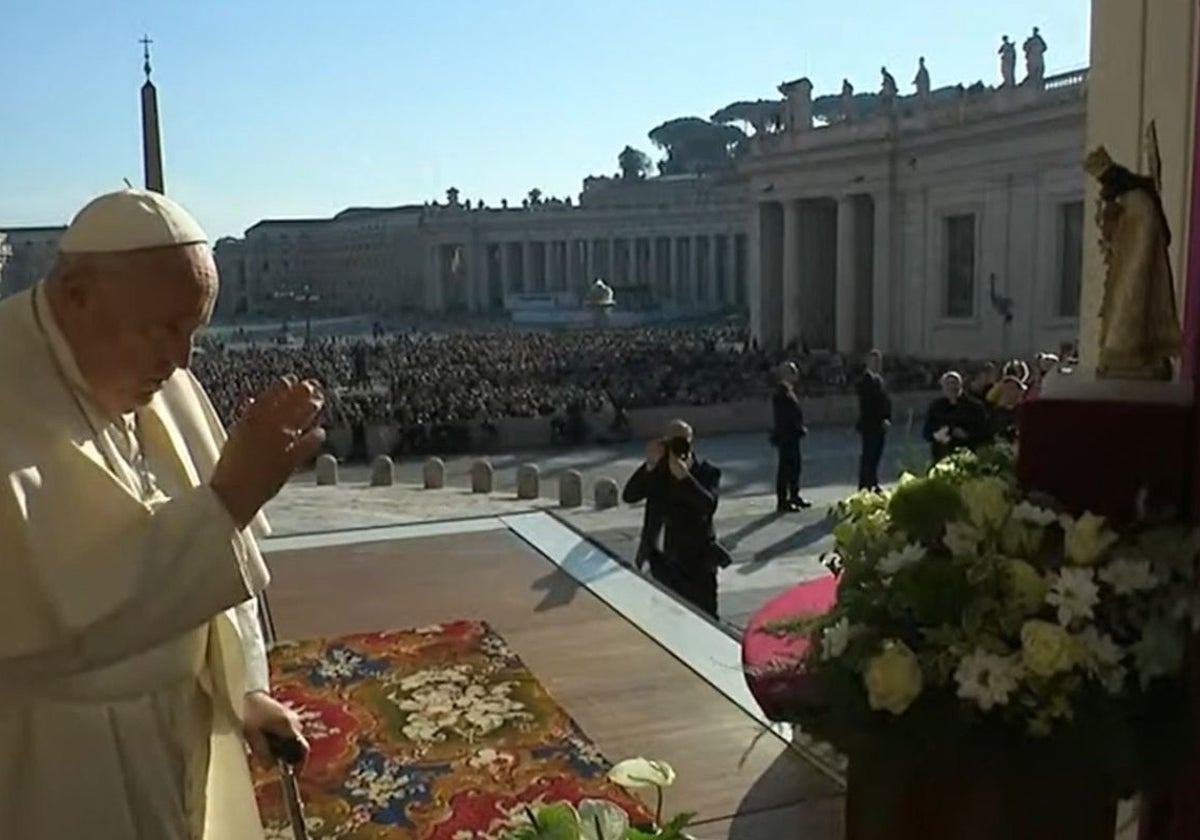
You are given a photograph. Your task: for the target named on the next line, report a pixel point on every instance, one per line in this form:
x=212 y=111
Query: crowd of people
x=981 y=407
x=435 y=387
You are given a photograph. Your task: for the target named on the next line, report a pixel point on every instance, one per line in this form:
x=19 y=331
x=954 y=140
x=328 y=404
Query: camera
x=680 y=447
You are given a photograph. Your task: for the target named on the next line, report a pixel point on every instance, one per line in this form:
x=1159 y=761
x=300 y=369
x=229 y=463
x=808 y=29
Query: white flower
x=1099 y=648
x=1033 y=514
x=1128 y=576
x=901 y=559
x=962 y=539
x=834 y=639
x=1075 y=593
x=642 y=772
x=1160 y=650
x=1086 y=538
x=600 y=819
x=1102 y=658
x=987 y=679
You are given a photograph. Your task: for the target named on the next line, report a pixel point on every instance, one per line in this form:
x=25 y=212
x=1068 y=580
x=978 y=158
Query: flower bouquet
x=992 y=658
x=598 y=819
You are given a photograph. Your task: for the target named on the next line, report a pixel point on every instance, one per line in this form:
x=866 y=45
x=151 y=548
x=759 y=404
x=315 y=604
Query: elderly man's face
x=135 y=317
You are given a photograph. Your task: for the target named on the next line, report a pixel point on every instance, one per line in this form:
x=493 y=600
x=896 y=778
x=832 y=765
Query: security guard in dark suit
x=787 y=432
x=874 y=418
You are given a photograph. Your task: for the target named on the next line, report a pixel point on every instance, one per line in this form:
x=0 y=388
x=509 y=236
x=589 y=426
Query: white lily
x=642 y=772
x=600 y=819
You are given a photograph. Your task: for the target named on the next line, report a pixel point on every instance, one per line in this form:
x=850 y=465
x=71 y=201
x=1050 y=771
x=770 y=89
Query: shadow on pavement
x=806 y=536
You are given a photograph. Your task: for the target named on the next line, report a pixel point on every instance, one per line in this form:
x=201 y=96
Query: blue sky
x=279 y=109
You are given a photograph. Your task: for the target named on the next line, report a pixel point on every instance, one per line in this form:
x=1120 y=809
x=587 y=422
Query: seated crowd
x=437 y=387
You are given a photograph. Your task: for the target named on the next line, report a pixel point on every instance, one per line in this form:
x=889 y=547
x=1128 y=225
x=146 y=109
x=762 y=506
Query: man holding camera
x=681 y=495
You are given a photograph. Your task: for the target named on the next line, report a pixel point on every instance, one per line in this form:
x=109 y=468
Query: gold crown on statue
x=1098 y=162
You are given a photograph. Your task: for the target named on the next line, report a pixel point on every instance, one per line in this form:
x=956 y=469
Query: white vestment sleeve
x=258 y=676
x=157 y=578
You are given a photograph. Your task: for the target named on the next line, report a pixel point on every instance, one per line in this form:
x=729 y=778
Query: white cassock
x=126 y=638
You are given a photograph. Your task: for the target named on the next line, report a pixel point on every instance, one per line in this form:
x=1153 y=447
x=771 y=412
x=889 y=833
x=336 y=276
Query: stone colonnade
x=823 y=267
x=694 y=271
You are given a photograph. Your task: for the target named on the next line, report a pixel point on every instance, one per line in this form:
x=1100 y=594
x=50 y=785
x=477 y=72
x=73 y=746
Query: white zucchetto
x=129 y=220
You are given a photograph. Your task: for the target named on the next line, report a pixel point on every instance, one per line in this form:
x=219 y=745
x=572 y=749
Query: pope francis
x=132 y=669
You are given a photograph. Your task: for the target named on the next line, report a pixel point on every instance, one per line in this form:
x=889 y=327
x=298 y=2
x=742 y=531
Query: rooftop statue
x=1008 y=63
x=1139 y=322
x=1035 y=61
x=921 y=81
x=887 y=87
x=848 y=109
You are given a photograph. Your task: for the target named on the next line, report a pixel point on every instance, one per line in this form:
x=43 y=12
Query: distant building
x=916 y=227
x=31 y=255
x=671 y=241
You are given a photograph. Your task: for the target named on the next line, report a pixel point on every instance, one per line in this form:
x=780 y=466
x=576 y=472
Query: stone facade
x=916 y=226
x=669 y=241
x=31 y=252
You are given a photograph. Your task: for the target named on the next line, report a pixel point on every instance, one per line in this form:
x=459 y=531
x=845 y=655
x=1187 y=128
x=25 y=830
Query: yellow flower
x=1086 y=538
x=1046 y=648
x=905 y=478
x=1026 y=586
x=893 y=678
x=986 y=500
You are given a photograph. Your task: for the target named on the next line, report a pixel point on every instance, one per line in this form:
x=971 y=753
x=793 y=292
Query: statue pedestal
x=1096 y=445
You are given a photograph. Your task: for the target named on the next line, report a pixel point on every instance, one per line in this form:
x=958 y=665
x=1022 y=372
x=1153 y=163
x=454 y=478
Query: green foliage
x=696 y=146
x=968 y=613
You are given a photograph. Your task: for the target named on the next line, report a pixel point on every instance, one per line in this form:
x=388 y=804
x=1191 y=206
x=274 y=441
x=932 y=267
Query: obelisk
x=151 y=141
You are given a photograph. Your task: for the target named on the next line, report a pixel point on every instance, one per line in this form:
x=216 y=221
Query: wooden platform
x=630 y=695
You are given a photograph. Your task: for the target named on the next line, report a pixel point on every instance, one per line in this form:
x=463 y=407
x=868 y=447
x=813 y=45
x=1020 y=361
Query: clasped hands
x=275 y=433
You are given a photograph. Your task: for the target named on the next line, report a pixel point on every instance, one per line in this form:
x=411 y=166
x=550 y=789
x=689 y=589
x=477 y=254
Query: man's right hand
x=655 y=450
x=274 y=436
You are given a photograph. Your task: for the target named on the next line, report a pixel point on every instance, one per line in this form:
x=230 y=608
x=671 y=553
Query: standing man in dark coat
x=681 y=494
x=786 y=434
x=874 y=418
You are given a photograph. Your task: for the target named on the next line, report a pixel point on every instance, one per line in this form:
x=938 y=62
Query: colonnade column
x=677 y=294
x=656 y=284
x=847 y=275
x=527 y=266
x=714 y=276
x=590 y=252
x=730 y=268
x=882 y=274
x=790 y=316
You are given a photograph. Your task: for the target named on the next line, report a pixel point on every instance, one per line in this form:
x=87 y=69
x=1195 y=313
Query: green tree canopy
x=694 y=145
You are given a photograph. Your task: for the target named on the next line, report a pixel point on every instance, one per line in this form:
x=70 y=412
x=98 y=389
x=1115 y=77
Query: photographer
x=681 y=498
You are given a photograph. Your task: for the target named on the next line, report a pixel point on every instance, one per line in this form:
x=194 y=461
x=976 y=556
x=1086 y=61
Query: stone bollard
x=481 y=477
x=529 y=479
x=434 y=474
x=570 y=489
x=383 y=472
x=608 y=495
x=327 y=470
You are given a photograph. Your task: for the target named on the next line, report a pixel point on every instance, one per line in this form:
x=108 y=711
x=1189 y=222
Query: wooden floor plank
x=809 y=821
x=629 y=694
